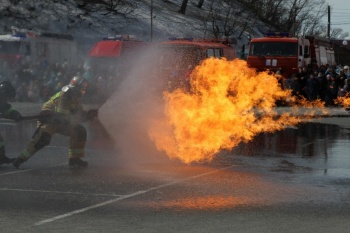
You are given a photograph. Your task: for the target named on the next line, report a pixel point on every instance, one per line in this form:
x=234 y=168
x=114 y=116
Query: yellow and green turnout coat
x=64 y=112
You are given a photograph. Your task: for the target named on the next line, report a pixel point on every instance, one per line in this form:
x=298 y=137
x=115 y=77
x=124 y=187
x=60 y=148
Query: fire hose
x=45 y=115
x=48 y=116
x=24 y=118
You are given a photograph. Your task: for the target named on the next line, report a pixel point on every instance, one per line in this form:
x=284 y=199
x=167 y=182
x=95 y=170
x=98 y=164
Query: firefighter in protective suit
x=7 y=91
x=62 y=114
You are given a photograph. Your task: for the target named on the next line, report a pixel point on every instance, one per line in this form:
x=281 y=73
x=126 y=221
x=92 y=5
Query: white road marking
x=61 y=192
x=27 y=170
x=127 y=196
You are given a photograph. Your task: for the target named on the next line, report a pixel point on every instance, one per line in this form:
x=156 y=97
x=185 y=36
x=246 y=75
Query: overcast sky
x=340 y=14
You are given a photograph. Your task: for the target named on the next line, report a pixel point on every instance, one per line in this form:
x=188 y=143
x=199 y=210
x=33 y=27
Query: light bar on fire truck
x=277 y=34
x=120 y=37
x=181 y=38
x=226 y=41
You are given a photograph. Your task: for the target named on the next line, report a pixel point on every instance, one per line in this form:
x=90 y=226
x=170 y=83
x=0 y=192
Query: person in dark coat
x=7 y=91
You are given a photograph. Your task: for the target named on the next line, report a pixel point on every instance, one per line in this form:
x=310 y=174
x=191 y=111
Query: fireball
x=228 y=103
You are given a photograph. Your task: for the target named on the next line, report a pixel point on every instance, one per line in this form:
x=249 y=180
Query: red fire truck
x=114 y=52
x=179 y=55
x=279 y=51
x=35 y=47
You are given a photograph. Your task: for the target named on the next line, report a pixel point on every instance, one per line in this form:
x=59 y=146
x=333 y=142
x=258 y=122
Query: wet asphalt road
x=295 y=180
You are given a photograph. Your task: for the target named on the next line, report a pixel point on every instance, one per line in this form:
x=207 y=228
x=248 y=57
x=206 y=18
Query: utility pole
x=151 y=20
x=329 y=22
x=295 y=20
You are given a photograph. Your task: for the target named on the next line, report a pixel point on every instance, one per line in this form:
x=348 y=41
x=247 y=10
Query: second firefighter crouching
x=7 y=92
x=62 y=114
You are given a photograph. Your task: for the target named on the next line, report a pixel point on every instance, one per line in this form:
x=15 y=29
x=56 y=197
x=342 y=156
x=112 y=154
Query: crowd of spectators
x=38 y=82
x=324 y=83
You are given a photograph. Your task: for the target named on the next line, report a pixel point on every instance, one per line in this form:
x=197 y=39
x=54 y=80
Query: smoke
x=137 y=102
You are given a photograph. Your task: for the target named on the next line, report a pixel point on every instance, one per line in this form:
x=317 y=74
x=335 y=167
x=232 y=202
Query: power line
x=339 y=17
x=340 y=9
x=340 y=24
x=342 y=14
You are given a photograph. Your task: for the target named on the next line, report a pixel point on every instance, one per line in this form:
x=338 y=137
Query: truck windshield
x=284 y=49
x=172 y=56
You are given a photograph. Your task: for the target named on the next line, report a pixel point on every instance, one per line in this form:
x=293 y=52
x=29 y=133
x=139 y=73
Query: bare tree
x=225 y=19
x=339 y=33
x=299 y=17
x=200 y=3
x=106 y=7
x=311 y=23
x=68 y=15
x=266 y=11
x=183 y=7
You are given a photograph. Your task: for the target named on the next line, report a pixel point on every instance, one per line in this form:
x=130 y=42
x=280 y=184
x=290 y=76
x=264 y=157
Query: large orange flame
x=228 y=103
x=343 y=100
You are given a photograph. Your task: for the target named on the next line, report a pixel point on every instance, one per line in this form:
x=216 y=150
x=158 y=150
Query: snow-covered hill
x=65 y=17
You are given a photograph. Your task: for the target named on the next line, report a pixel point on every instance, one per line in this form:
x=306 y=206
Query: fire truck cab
x=36 y=47
x=179 y=55
x=192 y=51
x=114 y=52
x=278 y=51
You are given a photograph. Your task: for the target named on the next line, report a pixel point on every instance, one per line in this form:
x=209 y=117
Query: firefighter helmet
x=77 y=83
x=7 y=90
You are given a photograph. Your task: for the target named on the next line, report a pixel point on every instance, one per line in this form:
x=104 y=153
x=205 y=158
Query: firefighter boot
x=17 y=162
x=4 y=159
x=77 y=163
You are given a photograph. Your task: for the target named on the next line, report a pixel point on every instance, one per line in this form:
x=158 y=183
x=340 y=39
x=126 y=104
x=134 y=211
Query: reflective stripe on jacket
x=64 y=103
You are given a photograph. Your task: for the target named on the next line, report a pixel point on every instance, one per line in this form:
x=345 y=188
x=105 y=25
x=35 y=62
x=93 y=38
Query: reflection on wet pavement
x=310 y=149
x=307 y=140
x=306 y=165
x=208 y=202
